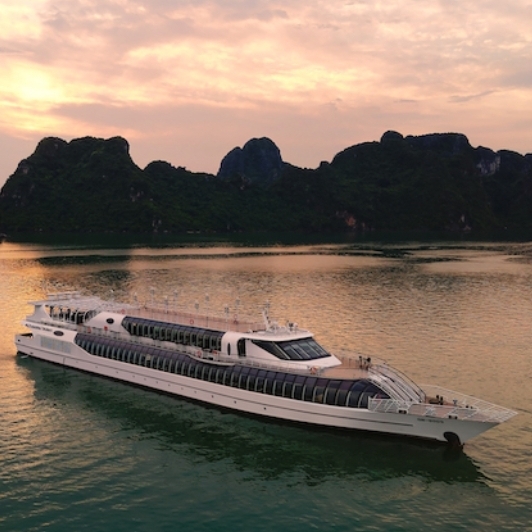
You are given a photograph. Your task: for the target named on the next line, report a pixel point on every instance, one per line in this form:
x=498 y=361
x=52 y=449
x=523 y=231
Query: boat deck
x=180 y=317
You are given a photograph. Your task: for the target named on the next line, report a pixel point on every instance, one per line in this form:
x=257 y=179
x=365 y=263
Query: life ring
x=191 y=321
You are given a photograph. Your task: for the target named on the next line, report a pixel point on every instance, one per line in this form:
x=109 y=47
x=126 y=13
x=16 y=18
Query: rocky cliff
x=427 y=182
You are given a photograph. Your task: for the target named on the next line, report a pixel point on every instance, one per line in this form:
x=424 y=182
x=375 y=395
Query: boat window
x=287 y=386
x=259 y=380
x=343 y=390
x=355 y=391
x=319 y=390
x=305 y=349
x=298 y=387
x=220 y=375
x=203 y=340
x=278 y=384
x=251 y=379
x=192 y=368
x=309 y=388
x=270 y=380
x=302 y=349
x=331 y=391
x=227 y=376
x=208 y=341
x=235 y=374
x=212 y=374
x=243 y=379
x=271 y=347
x=241 y=347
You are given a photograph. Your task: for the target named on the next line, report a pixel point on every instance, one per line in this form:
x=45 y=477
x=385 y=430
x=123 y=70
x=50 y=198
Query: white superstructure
x=259 y=368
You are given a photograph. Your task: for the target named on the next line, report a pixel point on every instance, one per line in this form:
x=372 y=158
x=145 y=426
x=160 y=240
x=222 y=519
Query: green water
x=78 y=452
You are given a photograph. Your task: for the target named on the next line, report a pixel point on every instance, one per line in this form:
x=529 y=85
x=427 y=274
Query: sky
x=186 y=81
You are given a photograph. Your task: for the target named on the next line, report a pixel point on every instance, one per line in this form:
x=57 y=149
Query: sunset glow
x=186 y=82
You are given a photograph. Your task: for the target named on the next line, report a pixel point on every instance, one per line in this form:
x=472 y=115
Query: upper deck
x=73 y=307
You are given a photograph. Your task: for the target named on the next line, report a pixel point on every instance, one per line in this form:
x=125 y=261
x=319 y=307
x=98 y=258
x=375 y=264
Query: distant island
x=434 y=182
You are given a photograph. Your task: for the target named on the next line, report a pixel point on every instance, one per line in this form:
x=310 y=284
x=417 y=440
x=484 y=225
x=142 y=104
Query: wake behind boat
x=260 y=368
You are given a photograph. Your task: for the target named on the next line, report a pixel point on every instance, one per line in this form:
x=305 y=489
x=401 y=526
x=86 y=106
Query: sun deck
x=65 y=305
x=180 y=317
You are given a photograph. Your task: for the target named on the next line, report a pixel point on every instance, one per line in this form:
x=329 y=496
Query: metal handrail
x=474 y=409
x=391 y=380
x=397 y=381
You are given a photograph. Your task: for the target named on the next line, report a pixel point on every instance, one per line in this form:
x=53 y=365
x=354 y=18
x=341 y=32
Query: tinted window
x=298 y=387
x=330 y=393
x=309 y=388
x=341 y=396
x=354 y=393
x=319 y=390
x=270 y=379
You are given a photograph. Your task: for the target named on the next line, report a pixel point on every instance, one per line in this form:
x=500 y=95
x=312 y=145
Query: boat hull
x=259 y=404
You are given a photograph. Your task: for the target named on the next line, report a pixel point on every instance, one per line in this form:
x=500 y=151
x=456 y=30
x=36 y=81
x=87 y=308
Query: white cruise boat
x=259 y=368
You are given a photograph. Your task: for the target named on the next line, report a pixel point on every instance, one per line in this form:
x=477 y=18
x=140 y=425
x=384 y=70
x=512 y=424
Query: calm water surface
x=79 y=452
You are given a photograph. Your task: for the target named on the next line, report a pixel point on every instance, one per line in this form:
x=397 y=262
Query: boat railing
x=461 y=407
x=392 y=381
x=396 y=381
x=276 y=367
x=209 y=321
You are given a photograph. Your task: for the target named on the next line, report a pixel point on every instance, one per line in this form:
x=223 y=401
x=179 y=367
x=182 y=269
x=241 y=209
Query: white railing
x=465 y=408
x=395 y=383
x=169 y=314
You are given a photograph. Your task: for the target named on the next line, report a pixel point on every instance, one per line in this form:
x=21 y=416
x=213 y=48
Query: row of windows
x=67 y=314
x=349 y=393
x=179 y=334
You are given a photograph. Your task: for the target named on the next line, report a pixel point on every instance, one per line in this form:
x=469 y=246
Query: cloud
x=167 y=68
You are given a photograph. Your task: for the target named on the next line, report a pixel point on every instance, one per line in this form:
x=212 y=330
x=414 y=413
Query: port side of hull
x=256 y=403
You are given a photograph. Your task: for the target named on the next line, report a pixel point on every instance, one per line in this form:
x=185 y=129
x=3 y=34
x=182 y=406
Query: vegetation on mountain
x=428 y=182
